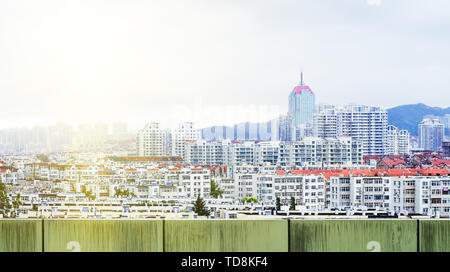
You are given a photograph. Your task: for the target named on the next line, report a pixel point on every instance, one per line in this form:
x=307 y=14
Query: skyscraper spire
x=301 y=78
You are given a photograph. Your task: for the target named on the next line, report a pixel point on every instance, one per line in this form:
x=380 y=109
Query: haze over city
x=231 y=126
x=214 y=62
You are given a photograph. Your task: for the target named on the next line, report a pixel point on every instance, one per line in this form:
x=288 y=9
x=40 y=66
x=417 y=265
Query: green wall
x=103 y=235
x=20 y=235
x=435 y=235
x=226 y=235
x=353 y=235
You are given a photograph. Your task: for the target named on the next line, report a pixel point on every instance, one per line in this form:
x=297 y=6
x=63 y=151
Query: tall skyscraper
x=366 y=124
x=284 y=131
x=325 y=122
x=397 y=141
x=302 y=103
x=431 y=134
x=151 y=140
x=446 y=149
x=185 y=132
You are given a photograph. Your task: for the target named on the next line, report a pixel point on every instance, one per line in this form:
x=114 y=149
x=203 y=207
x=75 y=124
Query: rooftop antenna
x=301 y=78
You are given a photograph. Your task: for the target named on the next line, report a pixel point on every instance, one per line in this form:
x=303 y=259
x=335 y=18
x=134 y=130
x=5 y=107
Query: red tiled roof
x=369 y=172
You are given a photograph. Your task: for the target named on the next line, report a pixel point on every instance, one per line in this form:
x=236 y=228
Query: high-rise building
x=446 y=120
x=248 y=131
x=325 y=122
x=217 y=133
x=397 y=141
x=181 y=135
x=365 y=124
x=446 y=149
x=431 y=134
x=150 y=141
x=301 y=108
x=285 y=128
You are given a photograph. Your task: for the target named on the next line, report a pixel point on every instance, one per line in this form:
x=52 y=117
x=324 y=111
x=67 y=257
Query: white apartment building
x=242 y=153
x=365 y=124
x=256 y=185
x=326 y=122
x=420 y=194
x=321 y=152
x=181 y=135
x=397 y=142
x=310 y=151
x=201 y=152
x=151 y=140
x=228 y=186
x=267 y=153
x=386 y=191
x=309 y=192
x=196 y=182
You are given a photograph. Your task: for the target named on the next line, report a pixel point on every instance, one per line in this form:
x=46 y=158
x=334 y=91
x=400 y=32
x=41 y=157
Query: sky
x=215 y=62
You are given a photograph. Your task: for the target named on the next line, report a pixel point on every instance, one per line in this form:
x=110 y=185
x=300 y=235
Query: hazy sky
x=215 y=62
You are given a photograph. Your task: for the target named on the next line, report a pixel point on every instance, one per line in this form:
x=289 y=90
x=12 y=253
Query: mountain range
x=409 y=116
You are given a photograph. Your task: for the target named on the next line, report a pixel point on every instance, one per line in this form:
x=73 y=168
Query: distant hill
x=409 y=116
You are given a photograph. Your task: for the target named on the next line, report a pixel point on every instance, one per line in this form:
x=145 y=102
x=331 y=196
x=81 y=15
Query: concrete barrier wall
x=353 y=235
x=434 y=235
x=103 y=235
x=20 y=235
x=226 y=235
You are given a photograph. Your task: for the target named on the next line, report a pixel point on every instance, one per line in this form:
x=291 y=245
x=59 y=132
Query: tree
x=292 y=207
x=5 y=205
x=215 y=189
x=124 y=193
x=16 y=203
x=87 y=193
x=278 y=204
x=200 y=207
x=250 y=199
x=43 y=158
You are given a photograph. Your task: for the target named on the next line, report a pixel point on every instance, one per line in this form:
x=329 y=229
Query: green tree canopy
x=125 y=193
x=200 y=207
x=292 y=207
x=250 y=199
x=215 y=189
x=5 y=205
x=16 y=203
x=278 y=203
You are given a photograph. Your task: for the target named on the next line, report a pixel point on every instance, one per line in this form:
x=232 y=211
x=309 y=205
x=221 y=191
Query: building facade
x=151 y=141
x=181 y=135
x=302 y=103
x=431 y=134
x=397 y=141
x=365 y=124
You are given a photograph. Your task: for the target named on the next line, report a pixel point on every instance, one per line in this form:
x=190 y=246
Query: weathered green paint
x=434 y=235
x=353 y=235
x=223 y=235
x=226 y=235
x=20 y=235
x=103 y=235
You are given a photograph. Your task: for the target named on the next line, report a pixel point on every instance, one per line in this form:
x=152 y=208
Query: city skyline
x=220 y=57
